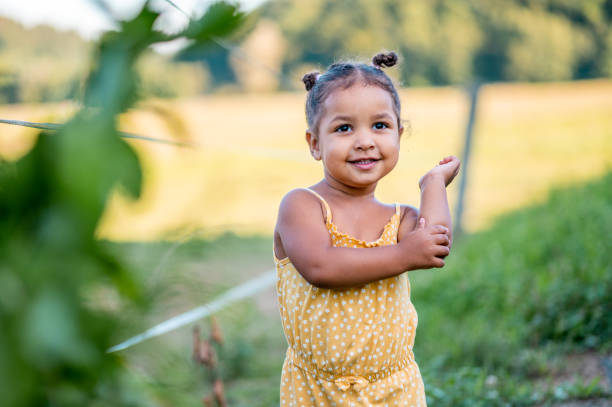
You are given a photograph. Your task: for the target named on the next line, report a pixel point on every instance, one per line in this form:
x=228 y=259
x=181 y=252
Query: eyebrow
x=341 y=118
x=349 y=118
x=382 y=116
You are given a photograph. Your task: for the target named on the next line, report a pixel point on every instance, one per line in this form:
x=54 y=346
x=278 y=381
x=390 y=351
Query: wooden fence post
x=473 y=93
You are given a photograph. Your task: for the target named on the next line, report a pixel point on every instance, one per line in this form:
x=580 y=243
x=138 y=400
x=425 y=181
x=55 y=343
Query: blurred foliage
x=540 y=275
x=53 y=342
x=198 y=271
x=515 y=297
x=450 y=42
x=474 y=387
x=470 y=386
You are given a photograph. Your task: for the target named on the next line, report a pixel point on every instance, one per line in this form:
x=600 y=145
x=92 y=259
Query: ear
x=313 y=144
x=400 y=130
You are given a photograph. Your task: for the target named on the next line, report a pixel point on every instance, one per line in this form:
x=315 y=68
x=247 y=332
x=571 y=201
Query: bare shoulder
x=300 y=203
x=408 y=220
x=300 y=226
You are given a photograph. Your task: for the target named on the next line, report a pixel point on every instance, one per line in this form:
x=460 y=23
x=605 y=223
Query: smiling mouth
x=364 y=161
x=365 y=164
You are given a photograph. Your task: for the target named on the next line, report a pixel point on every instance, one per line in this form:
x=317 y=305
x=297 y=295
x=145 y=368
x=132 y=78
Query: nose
x=364 y=140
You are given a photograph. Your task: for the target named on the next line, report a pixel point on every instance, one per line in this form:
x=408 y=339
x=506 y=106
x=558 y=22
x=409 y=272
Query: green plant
x=53 y=343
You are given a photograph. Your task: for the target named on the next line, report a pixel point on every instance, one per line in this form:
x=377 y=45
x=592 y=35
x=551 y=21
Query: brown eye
x=343 y=128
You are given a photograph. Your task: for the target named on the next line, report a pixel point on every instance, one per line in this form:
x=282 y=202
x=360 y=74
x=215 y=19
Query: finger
x=442 y=251
x=442 y=239
x=438 y=262
x=439 y=229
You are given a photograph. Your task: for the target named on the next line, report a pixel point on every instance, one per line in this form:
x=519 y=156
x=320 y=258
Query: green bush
x=541 y=274
x=539 y=281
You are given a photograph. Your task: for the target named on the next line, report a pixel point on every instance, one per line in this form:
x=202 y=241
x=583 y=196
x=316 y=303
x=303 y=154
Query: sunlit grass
x=528 y=137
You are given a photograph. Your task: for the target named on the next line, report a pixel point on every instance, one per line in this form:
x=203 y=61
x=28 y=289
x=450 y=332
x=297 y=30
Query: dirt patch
x=586 y=367
x=604 y=402
x=583 y=367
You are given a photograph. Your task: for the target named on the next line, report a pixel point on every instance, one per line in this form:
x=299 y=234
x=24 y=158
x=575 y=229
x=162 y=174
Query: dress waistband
x=345 y=381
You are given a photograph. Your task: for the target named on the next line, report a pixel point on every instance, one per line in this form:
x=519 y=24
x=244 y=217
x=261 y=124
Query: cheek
x=392 y=146
x=335 y=146
x=393 y=157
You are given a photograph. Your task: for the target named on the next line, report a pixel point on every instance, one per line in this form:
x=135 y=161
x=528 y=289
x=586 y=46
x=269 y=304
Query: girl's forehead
x=358 y=98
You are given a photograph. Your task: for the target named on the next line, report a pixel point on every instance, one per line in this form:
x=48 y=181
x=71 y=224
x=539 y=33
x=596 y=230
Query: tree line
x=440 y=42
x=453 y=42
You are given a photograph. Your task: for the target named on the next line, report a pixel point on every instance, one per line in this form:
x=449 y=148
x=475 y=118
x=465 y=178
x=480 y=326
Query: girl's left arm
x=434 y=201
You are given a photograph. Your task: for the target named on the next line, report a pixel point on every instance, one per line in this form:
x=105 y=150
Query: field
x=251 y=151
x=483 y=336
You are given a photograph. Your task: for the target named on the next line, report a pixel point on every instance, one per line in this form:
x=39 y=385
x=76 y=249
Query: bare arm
x=306 y=241
x=434 y=202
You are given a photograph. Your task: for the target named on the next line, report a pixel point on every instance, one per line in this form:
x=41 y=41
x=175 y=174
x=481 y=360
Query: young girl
x=341 y=255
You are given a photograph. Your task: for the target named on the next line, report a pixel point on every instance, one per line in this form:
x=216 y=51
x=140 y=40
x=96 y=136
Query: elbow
x=323 y=280
x=318 y=277
x=314 y=274
x=319 y=272
x=315 y=269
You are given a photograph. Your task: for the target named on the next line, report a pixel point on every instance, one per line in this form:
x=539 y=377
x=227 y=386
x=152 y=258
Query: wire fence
x=268 y=278
x=58 y=126
x=234 y=294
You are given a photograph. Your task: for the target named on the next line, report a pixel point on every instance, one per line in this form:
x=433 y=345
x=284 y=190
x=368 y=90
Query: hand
x=448 y=168
x=426 y=246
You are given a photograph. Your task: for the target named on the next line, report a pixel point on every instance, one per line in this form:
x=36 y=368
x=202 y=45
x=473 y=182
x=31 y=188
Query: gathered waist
x=348 y=377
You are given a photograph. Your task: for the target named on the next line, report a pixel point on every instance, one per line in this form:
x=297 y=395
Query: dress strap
x=398 y=209
x=328 y=215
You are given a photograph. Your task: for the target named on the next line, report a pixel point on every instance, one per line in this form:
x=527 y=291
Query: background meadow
x=249 y=150
x=101 y=242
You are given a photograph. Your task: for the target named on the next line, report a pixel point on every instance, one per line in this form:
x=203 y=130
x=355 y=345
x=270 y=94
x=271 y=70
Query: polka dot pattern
x=349 y=347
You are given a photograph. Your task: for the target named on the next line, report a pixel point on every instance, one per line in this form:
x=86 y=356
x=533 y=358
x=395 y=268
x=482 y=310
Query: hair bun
x=389 y=59
x=310 y=79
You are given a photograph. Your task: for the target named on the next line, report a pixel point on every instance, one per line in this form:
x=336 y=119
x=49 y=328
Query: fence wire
x=239 y=292
x=58 y=126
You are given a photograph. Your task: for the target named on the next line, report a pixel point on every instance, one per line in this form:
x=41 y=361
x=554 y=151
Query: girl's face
x=358 y=137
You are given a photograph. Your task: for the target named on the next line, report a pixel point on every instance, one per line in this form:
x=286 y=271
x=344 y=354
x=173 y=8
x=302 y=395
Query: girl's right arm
x=306 y=241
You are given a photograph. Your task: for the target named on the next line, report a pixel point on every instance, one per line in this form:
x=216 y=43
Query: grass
x=536 y=285
x=541 y=274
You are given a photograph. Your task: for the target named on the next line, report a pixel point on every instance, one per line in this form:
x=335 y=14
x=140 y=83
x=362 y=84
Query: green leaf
x=220 y=20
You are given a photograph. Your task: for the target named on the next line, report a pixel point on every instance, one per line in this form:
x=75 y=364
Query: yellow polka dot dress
x=349 y=347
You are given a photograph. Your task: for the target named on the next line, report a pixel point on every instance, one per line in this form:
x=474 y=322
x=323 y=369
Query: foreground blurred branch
x=204 y=353
x=53 y=342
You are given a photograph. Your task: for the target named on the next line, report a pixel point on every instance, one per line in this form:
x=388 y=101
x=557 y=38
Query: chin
x=363 y=183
